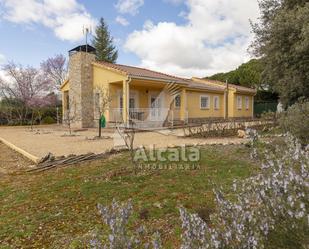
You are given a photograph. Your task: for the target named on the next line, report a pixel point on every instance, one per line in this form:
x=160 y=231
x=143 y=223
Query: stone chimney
x=81 y=85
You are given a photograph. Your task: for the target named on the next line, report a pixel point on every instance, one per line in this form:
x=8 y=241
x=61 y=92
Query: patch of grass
x=47 y=210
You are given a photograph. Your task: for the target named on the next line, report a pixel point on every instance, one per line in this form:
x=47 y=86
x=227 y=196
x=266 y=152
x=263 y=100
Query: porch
x=147 y=104
x=148 y=117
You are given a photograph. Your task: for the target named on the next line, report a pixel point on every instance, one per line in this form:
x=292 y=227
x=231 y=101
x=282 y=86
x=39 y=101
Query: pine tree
x=103 y=42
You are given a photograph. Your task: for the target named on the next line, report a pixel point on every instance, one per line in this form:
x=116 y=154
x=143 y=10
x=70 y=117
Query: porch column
x=252 y=106
x=125 y=99
x=226 y=101
x=183 y=105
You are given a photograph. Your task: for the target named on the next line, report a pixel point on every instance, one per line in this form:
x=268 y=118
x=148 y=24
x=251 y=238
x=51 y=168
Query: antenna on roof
x=86 y=31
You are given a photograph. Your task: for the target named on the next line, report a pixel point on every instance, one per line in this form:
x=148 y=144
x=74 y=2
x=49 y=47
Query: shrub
x=48 y=120
x=271 y=210
x=117 y=217
x=296 y=121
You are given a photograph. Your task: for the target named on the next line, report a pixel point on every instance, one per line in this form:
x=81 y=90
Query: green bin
x=103 y=121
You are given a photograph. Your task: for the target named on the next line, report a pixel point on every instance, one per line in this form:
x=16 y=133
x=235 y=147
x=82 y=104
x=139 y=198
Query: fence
x=225 y=128
x=261 y=107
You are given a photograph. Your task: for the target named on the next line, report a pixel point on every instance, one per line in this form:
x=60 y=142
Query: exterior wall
x=86 y=77
x=81 y=88
x=194 y=109
x=102 y=79
x=141 y=93
x=102 y=76
x=243 y=112
x=65 y=92
x=231 y=103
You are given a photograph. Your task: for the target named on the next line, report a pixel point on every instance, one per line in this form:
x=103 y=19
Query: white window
x=216 y=103
x=97 y=100
x=131 y=103
x=205 y=102
x=239 y=102
x=247 y=103
x=177 y=101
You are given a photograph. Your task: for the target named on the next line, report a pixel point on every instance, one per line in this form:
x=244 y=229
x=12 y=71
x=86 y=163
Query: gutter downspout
x=226 y=115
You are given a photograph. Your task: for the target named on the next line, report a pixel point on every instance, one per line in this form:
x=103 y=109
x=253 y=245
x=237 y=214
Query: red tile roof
x=203 y=86
x=132 y=71
x=223 y=85
x=142 y=72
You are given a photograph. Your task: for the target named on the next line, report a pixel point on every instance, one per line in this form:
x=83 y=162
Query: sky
x=180 y=37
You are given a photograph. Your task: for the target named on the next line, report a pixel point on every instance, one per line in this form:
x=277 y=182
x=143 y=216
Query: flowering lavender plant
x=270 y=209
x=274 y=202
x=117 y=218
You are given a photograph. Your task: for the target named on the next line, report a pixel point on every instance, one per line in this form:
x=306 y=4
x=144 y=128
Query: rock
x=48 y=157
x=157 y=205
x=241 y=133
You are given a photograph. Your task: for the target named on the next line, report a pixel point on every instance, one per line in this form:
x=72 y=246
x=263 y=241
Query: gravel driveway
x=55 y=139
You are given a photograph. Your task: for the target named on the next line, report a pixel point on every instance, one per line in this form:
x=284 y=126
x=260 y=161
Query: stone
x=241 y=133
x=157 y=205
x=81 y=89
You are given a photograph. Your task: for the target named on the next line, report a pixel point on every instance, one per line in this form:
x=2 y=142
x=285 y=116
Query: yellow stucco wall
x=102 y=76
x=193 y=105
x=243 y=112
x=190 y=100
x=65 y=91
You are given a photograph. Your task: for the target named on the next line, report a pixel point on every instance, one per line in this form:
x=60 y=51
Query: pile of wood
x=51 y=162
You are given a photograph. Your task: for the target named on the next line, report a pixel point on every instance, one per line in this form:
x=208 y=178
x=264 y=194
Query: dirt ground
x=11 y=161
x=54 y=139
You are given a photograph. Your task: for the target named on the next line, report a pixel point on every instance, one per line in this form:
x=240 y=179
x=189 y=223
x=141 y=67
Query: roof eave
x=157 y=79
x=64 y=84
x=253 y=92
x=110 y=68
x=205 y=89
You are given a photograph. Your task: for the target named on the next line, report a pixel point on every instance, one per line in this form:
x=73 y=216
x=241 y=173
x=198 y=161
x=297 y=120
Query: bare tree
x=39 y=102
x=127 y=130
x=24 y=86
x=102 y=102
x=56 y=69
x=70 y=113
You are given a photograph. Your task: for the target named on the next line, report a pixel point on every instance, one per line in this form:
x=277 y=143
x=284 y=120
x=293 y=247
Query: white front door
x=155 y=108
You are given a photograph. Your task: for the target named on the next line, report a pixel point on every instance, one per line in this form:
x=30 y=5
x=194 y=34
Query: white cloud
x=2 y=73
x=2 y=59
x=129 y=6
x=122 y=21
x=65 y=18
x=215 y=39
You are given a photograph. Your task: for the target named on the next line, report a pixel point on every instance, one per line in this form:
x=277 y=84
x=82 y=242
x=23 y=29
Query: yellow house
x=149 y=98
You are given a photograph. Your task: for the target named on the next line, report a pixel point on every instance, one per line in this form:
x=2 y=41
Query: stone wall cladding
x=81 y=88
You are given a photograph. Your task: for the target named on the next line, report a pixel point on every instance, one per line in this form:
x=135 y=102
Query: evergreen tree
x=247 y=74
x=282 y=42
x=103 y=42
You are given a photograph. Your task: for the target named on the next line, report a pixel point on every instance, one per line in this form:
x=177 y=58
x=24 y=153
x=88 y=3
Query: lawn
x=49 y=209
